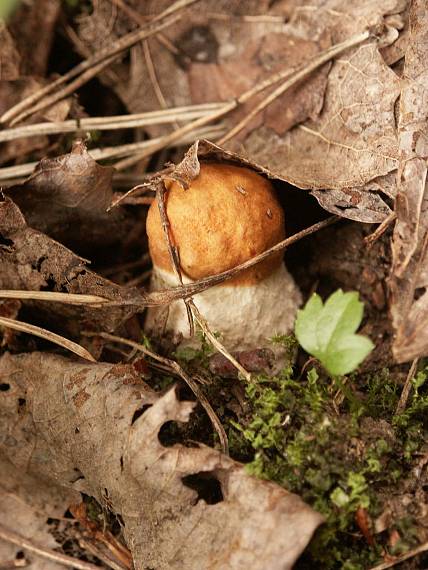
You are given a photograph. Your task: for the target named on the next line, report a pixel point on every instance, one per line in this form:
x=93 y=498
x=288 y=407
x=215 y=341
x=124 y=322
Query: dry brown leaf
x=33 y=26
x=357 y=204
x=95 y=428
x=9 y=57
x=30 y=260
x=67 y=198
x=315 y=136
x=26 y=503
x=219 y=50
x=354 y=138
x=409 y=278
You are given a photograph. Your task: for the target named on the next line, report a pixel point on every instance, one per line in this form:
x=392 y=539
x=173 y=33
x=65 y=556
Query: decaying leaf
x=409 y=278
x=30 y=260
x=329 y=134
x=217 y=51
x=26 y=503
x=67 y=198
x=352 y=141
x=95 y=428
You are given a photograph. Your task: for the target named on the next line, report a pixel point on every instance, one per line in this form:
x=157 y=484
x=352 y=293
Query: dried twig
x=95 y=550
x=380 y=230
x=200 y=319
x=192 y=310
x=410 y=554
x=172 y=250
x=176 y=369
x=167 y=296
x=27 y=544
x=115 y=151
x=53 y=296
x=47 y=335
x=92 y=66
x=401 y=406
x=164 y=116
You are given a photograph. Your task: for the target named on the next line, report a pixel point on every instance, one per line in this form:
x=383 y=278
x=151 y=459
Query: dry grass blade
x=53 y=296
x=26 y=544
x=212 y=132
x=93 y=65
x=176 y=369
x=47 y=335
x=401 y=406
x=114 y=122
x=215 y=342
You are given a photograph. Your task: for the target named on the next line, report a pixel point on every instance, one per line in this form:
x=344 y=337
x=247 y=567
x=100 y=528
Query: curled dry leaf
x=67 y=198
x=409 y=278
x=95 y=428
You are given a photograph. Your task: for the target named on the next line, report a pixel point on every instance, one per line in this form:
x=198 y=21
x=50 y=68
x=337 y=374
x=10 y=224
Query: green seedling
x=328 y=332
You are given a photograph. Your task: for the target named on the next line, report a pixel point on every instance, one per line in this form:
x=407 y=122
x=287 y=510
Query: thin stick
x=172 y=250
x=173 y=137
x=95 y=550
x=414 y=552
x=53 y=296
x=27 y=544
x=215 y=342
x=401 y=406
x=176 y=369
x=47 y=335
x=319 y=60
x=113 y=152
x=152 y=75
x=192 y=310
x=141 y=21
x=380 y=230
x=96 y=63
x=166 y=296
x=114 y=122
x=297 y=73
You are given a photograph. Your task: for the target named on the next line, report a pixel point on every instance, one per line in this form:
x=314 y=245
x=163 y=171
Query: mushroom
x=228 y=215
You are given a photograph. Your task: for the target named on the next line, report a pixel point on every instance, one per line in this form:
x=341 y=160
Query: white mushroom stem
x=246 y=316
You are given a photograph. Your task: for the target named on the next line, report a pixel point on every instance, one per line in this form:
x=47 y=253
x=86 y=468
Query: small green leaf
x=339 y=497
x=327 y=331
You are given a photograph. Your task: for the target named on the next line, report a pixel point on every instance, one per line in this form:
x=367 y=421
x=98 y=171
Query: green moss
x=337 y=460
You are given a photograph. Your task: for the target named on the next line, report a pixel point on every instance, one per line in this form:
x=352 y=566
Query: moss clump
x=341 y=449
